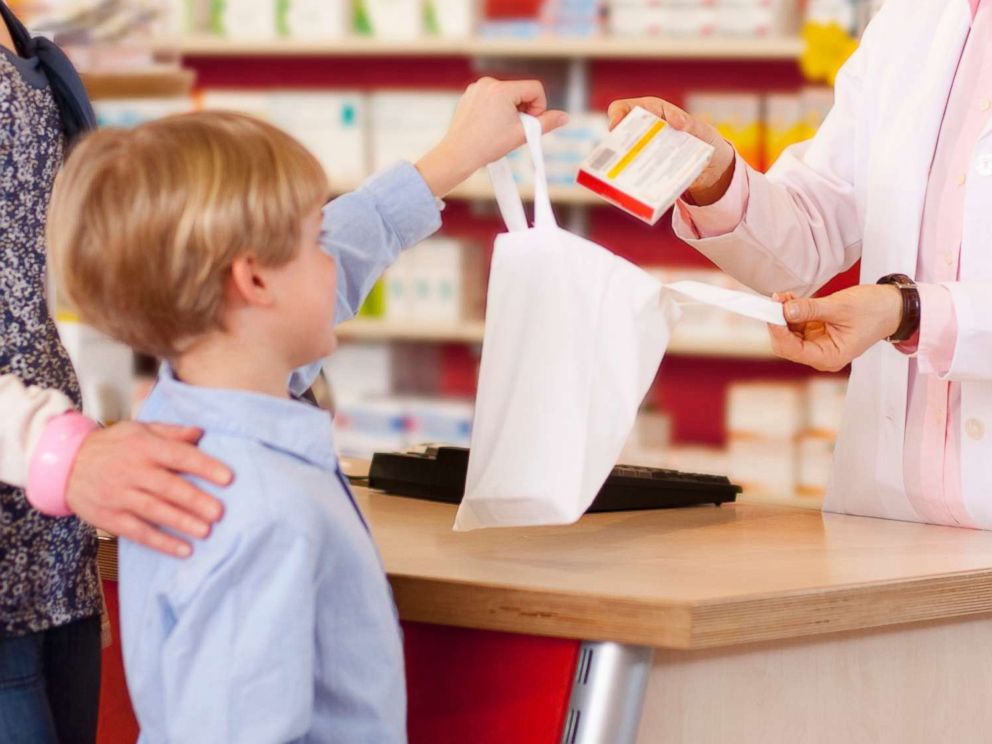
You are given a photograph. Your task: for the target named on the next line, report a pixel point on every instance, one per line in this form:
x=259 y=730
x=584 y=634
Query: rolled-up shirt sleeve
x=25 y=413
x=720 y=218
x=934 y=344
x=365 y=231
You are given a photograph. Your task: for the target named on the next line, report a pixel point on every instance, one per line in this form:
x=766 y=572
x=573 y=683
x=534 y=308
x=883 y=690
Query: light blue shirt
x=281 y=626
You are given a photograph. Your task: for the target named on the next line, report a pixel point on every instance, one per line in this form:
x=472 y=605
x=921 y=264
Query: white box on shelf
x=400 y=292
x=441 y=281
x=825 y=405
x=176 y=18
x=315 y=19
x=815 y=466
x=362 y=427
x=243 y=19
x=405 y=125
x=455 y=19
x=129 y=112
x=332 y=125
x=360 y=371
x=763 y=467
x=765 y=410
x=697 y=459
x=649 y=440
x=433 y=421
x=105 y=368
x=396 y=19
x=566 y=148
x=757 y=18
x=252 y=102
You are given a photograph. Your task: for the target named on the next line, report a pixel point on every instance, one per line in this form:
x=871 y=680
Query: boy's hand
x=486 y=126
x=715 y=179
x=127 y=480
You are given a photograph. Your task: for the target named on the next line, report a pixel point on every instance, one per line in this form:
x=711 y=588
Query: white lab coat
x=857 y=191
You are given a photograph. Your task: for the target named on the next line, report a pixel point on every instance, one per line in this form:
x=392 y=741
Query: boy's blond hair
x=144 y=224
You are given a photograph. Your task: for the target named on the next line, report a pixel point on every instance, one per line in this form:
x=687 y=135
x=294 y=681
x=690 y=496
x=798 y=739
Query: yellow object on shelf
x=737 y=117
x=827 y=47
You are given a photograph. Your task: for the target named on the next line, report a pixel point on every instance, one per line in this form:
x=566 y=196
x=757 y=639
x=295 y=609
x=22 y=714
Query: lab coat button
x=974 y=429
x=984 y=165
x=985 y=104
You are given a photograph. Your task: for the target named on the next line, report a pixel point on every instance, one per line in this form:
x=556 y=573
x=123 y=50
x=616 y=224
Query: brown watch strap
x=910 y=323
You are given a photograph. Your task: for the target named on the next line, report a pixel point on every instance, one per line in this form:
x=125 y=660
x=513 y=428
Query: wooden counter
x=800 y=626
x=685 y=578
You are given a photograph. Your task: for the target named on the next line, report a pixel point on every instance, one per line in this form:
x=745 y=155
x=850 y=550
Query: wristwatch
x=910 y=322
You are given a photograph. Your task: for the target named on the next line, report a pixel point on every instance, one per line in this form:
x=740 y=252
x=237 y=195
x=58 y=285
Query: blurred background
x=364 y=83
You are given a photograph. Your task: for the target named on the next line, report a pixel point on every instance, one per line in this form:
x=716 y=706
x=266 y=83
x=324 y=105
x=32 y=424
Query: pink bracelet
x=52 y=461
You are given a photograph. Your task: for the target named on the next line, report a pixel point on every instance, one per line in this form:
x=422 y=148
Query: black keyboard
x=438 y=474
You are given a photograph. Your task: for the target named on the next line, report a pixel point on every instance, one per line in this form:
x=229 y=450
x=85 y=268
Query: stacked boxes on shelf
x=323 y=19
x=440 y=282
x=129 y=112
x=405 y=125
x=313 y=19
x=572 y=18
x=824 y=410
x=738 y=118
x=764 y=420
x=390 y=424
x=703 y=18
x=383 y=400
x=105 y=368
x=564 y=150
x=354 y=134
x=332 y=125
x=850 y=15
x=762 y=126
x=781 y=436
x=413 y=19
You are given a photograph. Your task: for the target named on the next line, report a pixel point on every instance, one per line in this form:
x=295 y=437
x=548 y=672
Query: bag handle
x=508 y=195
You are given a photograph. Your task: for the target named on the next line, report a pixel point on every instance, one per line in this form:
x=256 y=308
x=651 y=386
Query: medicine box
x=644 y=165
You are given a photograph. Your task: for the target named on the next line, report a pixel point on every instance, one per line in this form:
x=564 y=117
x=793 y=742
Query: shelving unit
x=774 y=48
x=161 y=82
x=583 y=70
x=749 y=345
x=478 y=189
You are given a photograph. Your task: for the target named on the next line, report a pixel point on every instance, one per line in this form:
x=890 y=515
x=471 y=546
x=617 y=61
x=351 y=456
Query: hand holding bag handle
x=508 y=195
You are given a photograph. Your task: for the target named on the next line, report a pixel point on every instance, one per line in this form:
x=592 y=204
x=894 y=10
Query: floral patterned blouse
x=48 y=574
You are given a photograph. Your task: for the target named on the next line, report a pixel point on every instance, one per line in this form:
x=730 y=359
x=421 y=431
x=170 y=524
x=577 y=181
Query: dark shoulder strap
x=20 y=35
x=66 y=85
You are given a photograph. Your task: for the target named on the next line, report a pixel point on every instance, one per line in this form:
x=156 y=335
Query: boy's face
x=306 y=293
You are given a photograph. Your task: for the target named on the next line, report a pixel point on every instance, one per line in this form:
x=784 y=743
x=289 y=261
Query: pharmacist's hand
x=828 y=333
x=485 y=127
x=715 y=179
x=126 y=480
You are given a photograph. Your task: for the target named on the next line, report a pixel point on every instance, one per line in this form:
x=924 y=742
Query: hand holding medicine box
x=644 y=165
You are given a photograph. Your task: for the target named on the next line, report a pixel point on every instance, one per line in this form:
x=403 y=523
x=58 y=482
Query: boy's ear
x=249 y=283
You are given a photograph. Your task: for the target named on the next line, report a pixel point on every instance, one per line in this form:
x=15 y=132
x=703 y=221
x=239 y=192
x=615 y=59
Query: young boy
x=199 y=239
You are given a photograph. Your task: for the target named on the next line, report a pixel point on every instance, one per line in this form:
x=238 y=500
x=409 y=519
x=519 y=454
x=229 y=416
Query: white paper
x=741 y=303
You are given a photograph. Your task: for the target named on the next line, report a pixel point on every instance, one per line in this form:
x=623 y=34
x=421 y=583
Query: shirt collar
x=974 y=7
x=290 y=426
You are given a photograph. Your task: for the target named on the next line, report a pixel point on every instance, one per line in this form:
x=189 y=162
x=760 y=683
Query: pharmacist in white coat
x=899 y=176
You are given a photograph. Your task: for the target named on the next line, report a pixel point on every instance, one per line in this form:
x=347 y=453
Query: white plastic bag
x=574 y=337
